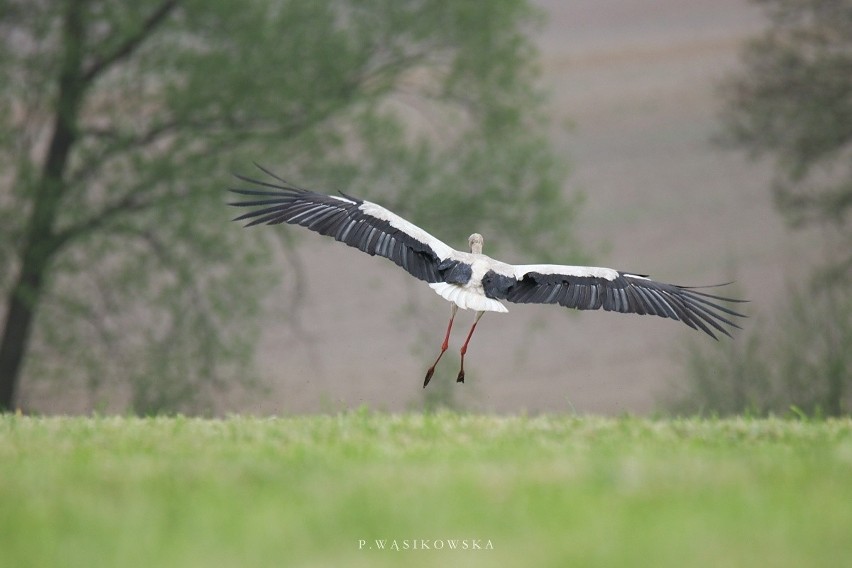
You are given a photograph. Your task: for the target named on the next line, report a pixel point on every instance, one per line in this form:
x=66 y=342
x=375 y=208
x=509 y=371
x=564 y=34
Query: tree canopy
x=122 y=121
x=792 y=101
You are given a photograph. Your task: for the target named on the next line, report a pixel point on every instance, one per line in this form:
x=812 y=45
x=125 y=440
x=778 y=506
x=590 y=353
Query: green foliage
x=545 y=490
x=800 y=361
x=726 y=379
x=793 y=101
x=149 y=291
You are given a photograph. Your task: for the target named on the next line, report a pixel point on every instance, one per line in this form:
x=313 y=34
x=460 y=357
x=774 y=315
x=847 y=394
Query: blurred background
x=611 y=133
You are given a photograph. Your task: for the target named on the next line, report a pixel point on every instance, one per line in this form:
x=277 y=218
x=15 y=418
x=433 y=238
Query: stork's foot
x=429 y=374
x=460 y=378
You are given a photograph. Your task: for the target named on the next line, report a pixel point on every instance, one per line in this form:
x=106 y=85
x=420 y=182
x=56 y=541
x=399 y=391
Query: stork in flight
x=472 y=280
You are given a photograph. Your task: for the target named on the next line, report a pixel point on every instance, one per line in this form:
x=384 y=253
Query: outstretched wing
x=358 y=223
x=593 y=288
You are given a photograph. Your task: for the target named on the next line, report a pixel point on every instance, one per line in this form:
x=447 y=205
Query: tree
x=793 y=101
x=799 y=360
x=122 y=121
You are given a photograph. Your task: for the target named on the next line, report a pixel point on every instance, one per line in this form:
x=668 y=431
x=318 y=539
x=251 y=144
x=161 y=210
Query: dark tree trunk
x=23 y=299
x=40 y=241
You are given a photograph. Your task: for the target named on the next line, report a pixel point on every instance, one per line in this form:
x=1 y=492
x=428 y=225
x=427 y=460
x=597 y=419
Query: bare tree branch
x=130 y=202
x=132 y=42
x=119 y=144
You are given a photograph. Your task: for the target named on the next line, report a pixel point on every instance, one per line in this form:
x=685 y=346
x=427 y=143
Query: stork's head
x=475 y=242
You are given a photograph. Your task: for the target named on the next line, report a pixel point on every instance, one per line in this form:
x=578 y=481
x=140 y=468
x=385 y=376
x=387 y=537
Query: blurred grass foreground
x=375 y=489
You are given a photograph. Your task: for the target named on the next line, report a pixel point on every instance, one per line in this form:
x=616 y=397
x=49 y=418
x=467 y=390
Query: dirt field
x=634 y=107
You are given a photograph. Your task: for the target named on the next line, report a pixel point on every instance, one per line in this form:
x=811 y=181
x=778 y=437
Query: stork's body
x=465 y=288
x=472 y=280
x=468 y=294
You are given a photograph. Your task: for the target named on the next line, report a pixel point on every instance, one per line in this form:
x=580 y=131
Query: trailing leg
x=444 y=346
x=460 y=378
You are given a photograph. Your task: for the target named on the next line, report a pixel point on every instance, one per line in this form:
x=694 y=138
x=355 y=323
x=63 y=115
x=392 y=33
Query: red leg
x=444 y=346
x=460 y=378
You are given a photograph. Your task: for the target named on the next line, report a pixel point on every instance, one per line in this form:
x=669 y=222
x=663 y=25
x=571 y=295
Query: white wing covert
x=359 y=223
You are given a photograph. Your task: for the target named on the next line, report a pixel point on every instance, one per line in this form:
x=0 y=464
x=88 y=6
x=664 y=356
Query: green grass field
x=322 y=490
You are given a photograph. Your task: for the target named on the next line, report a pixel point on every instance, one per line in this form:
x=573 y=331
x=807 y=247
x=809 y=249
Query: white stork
x=472 y=280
